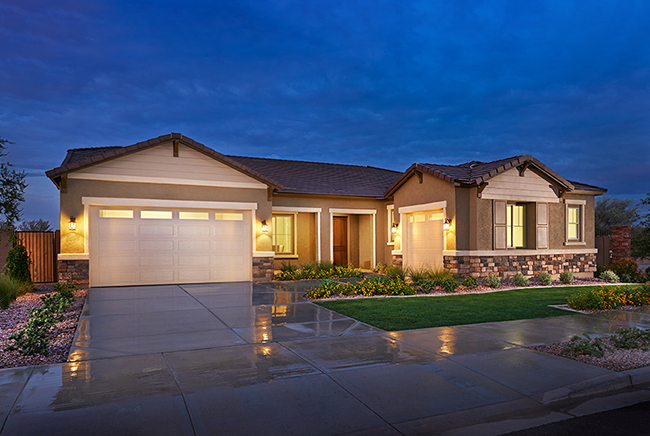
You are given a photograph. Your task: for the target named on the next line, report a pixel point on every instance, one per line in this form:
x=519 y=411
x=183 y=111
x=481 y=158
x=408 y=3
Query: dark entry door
x=340 y=240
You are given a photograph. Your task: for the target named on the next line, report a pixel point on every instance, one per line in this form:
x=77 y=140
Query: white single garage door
x=143 y=246
x=425 y=239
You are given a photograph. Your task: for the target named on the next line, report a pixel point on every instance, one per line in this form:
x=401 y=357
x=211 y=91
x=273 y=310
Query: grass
x=10 y=289
x=421 y=312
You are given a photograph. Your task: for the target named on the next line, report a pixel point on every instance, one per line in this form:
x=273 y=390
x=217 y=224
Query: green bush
x=470 y=282
x=379 y=268
x=32 y=338
x=520 y=280
x=318 y=270
x=586 y=345
x=545 y=278
x=610 y=297
x=419 y=274
x=9 y=291
x=493 y=281
x=566 y=277
x=628 y=268
x=609 y=276
x=394 y=272
x=372 y=286
x=631 y=338
x=17 y=264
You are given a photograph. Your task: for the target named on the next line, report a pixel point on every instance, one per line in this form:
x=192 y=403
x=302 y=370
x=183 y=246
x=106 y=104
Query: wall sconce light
x=72 y=225
x=265 y=227
x=394 y=228
x=446 y=224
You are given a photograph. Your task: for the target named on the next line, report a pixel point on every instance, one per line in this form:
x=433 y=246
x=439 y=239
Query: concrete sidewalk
x=246 y=358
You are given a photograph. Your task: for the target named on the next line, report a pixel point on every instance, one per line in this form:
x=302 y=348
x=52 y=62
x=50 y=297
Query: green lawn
x=421 y=312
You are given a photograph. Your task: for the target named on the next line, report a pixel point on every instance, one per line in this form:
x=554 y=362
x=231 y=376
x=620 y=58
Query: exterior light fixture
x=446 y=224
x=265 y=227
x=393 y=229
x=72 y=225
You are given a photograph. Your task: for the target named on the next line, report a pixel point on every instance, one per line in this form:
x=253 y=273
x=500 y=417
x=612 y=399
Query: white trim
x=254 y=228
x=354 y=211
x=517 y=252
x=396 y=252
x=423 y=207
x=166 y=181
x=263 y=254
x=294 y=236
x=297 y=209
x=523 y=198
x=73 y=256
x=151 y=202
x=318 y=231
x=374 y=241
x=390 y=210
x=582 y=204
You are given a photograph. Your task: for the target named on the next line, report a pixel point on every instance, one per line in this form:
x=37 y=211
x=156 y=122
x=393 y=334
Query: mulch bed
x=61 y=337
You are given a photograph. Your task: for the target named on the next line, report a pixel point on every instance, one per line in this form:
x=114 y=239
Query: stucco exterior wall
x=432 y=189
x=326 y=203
x=71 y=204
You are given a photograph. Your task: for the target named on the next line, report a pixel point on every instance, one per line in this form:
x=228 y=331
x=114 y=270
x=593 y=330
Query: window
x=573 y=224
x=284 y=234
x=515 y=226
x=193 y=215
x=228 y=216
x=113 y=213
x=156 y=215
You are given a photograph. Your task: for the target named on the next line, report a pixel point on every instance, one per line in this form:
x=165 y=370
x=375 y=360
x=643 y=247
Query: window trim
x=581 y=205
x=294 y=239
x=510 y=227
x=390 y=210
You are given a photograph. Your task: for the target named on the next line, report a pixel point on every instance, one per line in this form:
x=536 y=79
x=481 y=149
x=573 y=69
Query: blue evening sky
x=382 y=83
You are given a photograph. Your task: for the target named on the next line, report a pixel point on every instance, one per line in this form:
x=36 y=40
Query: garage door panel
x=137 y=250
x=425 y=240
x=153 y=261
x=156 y=245
x=156 y=230
x=194 y=231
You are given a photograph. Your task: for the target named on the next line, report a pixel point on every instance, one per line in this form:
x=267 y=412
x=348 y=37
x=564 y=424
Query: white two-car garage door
x=425 y=239
x=135 y=246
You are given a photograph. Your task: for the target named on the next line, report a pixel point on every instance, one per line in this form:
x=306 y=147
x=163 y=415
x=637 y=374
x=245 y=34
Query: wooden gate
x=604 y=246
x=42 y=248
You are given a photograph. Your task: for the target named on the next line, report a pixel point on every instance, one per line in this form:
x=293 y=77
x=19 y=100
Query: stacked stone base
x=398 y=260
x=74 y=271
x=507 y=266
x=262 y=269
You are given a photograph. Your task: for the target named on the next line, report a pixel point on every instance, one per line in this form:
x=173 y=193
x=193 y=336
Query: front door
x=340 y=240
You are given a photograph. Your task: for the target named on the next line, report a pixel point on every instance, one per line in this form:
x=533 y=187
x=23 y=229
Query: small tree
x=39 y=225
x=641 y=234
x=12 y=192
x=612 y=211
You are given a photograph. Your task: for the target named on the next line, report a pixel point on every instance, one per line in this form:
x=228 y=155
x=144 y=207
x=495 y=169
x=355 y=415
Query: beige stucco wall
x=71 y=204
x=432 y=189
x=359 y=245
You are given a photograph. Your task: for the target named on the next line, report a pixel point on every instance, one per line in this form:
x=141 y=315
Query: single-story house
x=171 y=210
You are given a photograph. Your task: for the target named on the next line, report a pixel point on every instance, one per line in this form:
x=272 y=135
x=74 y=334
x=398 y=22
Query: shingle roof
x=323 y=178
x=476 y=172
x=301 y=177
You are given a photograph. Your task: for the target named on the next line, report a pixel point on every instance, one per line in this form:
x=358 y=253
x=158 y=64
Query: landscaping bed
x=61 y=337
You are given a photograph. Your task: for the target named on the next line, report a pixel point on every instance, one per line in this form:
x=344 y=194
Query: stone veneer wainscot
x=528 y=265
x=262 y=269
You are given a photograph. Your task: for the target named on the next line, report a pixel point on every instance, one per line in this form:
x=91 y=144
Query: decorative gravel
x=617 y=359
x=61 y=336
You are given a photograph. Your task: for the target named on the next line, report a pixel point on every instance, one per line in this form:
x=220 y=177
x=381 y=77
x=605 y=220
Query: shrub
x=318 y=270
x=17 y=264
x=629 y=268
x=607 y=297
x=417 y=274
x=372 y=286
x=630 y=338
x=520 y=280
x=9 y=290
x=394 y=272
x=326 y=289
x=470 y=282
x=32 y=338
x=566 y=277
x=545 y=278
x=586 y=345
x=609 y=276
x=493 y=281
x=379 y=268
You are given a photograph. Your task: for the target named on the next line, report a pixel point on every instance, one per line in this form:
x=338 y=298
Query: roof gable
x=79 y=159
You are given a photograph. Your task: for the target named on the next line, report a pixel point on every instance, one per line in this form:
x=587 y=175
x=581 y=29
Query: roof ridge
x=95 y=148
x=312 y=162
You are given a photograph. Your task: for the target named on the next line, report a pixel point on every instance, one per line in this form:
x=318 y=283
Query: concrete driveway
x=250 y=359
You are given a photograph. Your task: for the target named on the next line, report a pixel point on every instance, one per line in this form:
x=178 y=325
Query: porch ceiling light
x=265 y=227
x=72 y=225
x=393 y=229
x=446 y=224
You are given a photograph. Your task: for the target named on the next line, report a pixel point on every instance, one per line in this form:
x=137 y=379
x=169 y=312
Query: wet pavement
x=244 y=358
